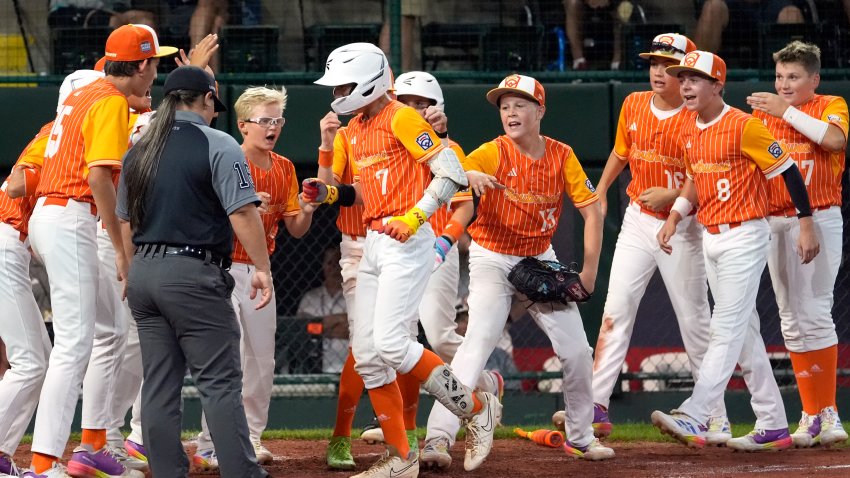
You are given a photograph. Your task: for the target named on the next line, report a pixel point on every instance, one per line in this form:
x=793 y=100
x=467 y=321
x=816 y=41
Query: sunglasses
x=265 y=121
x=665 y=47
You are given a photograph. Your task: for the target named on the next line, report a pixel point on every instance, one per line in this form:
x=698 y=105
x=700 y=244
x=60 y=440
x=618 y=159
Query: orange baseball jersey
x=821 y=169
x=90 y=130
x=390 y=151
x=520 y=219
x=16 y=212
x=729 y=161
x=649 y=139
x=282 y=184
x=350 y=219
x=441 y=217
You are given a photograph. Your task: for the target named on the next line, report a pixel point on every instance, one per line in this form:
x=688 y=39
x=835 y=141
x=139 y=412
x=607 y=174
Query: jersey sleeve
x=576 y=183
x=622 y=143
x=33 y=155
x=762 y=148
x=836 y=113
x=231 y=178
x=484 y=159
x=105 y=132
x=291 y=208
x=340 y=154
x=415 y=134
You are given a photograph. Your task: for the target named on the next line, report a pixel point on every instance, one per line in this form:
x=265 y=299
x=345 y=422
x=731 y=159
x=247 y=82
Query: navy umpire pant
x=185 y=318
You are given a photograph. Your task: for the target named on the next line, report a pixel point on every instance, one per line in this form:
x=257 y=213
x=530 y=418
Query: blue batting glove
x=442 y=246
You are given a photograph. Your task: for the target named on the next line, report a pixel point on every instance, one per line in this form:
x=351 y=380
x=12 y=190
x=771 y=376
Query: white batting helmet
x=421 y=84
x=363 y=64
x=76 y=80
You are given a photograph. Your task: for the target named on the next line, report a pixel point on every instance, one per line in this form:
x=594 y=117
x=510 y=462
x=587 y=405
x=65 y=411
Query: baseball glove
x=548 y=281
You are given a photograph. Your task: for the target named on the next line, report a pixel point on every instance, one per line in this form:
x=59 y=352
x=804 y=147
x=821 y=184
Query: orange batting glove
x=401 y=228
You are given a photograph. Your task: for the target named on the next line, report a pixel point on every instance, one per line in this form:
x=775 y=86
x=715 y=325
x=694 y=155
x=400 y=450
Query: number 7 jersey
x=730 y=159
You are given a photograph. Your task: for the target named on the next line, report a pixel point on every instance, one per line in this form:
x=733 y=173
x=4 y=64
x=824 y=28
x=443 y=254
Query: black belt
x=188 y=251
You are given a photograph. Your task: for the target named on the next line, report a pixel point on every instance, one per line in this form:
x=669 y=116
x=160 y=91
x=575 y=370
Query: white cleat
x=435 y=453
x=595 y=451
x=831 y=430
x=479 y=431
x=719 y=431
x=807 y=434
x=390 y=466
x=264 y=456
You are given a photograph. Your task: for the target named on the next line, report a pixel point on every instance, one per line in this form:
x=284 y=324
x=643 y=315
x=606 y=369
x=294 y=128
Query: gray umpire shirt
x=201 y=179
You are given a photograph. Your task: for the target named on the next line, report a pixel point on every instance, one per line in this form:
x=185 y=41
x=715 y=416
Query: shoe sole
x=372 y=439
x=589 y=456
x=690 y=441
x=265 y=459
x=602 y=429
x=805 y=442
x=342 y=466
x=204 y=465
x=777 y=445
x=717 y=442
x=79 y=470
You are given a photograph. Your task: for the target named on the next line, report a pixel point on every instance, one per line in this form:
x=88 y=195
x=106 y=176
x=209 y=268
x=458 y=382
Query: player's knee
x=390 y=349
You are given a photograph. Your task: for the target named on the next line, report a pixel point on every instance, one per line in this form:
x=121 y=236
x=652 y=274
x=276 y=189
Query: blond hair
x=806 y=54
x=256 y=96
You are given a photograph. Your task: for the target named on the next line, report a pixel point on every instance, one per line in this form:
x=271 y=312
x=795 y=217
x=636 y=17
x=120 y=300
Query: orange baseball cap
x=100 y=64
x=521 y=85
x=135 y=43
x=669 y=45
x=702 y=62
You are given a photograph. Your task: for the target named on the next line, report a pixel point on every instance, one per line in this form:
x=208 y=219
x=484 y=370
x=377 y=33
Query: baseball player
x=729 y=156
x=260 y=121
x=647 y=140
x=528 y=175
x=813 y=129
x=391 y=145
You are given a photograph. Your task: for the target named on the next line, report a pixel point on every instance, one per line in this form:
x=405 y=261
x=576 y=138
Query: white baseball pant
x=437 y=311
x=390 y=283
x=27 y=343
x=128 y=389
x=351 y=251
x=490 y=295
x=257 y=328
x=112 y=321
x=804 y=292
x=734 y=262
x=65 y=238
x=636 y=257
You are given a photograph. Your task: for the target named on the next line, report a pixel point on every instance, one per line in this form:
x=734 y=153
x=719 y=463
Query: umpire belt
x=199 y=253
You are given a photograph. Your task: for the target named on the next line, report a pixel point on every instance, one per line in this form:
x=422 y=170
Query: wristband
x=443 y=135
x=812 y=128
x=326 y=158
x=347 y=194
x=682 y=206
x=453 y=230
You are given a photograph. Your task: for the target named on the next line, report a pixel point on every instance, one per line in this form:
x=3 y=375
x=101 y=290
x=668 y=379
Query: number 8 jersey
x=730 y=159
x=520 y=219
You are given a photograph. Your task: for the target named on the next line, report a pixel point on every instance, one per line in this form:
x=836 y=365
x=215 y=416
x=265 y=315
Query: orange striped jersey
x=649 y=139
x=821 y=169
x=729 y=159
x=282 y=184
x=390 y=151
x=520 y=219
x=350 y=219
x=90 y=130
x=16 y=212
x=441 y=217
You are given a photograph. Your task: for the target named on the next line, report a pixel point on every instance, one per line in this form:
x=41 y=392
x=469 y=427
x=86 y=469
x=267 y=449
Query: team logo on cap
x=146 y=47
x=691 y=59
x=424 y=140
x=512 y=81
x=665 y=39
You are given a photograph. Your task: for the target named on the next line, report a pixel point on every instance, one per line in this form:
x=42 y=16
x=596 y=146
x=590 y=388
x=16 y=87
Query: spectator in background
x=716 y=16
x=100 y=13
x=327 y=302
x=4 y=362
x=618 y=11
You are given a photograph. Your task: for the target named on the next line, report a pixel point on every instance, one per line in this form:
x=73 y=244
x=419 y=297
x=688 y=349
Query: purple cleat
x=601 y=423
x=762 y=440
x=808 y=432
x=86 y=463
x=7 y=466
x=136 y=450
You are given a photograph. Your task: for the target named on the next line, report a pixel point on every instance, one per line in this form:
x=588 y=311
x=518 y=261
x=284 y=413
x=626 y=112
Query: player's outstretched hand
x=657 y=198
x=807 y=245
x=437 y=119
x=262 y=283
x=668 y=230
x=442 y=246
x=328 y=126
x=768 y=103
x=479 y=182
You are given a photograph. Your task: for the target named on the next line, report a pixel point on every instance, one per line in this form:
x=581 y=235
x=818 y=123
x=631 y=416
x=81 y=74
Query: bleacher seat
x=249 y=49
x=448 y=43
x=77 y=48
x=513 y=48
x=321 y=40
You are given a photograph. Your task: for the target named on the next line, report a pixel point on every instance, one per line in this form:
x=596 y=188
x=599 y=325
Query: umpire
x=184 y=190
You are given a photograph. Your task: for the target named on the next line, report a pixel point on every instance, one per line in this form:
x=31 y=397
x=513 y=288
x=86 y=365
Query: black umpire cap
x=192 y=78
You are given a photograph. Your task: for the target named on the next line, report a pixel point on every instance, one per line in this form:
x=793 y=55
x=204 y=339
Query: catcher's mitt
x=548 y=281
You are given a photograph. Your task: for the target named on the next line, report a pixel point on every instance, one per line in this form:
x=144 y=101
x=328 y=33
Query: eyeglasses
x=665 y=47
x=265 y=121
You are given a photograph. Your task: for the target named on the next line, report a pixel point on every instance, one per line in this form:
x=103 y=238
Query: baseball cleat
x=479 y=431
x=56 y=471
x=601 y=423
x=264 y=456
x=339 y=455
x=808 y=431
x=390 y=466
x=129 y=462
x=762 y=440
x=719 y=431
x=435 y=453
x=372 y=433
x=7 y=466
x=681 y=427
x=87 y=463
x=559 y=420
x=136 y=450
x=594 y=451
x=205 y=460
x=831 y=430
x=413 y=442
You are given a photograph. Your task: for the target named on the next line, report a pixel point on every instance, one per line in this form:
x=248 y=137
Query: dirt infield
x=522 y=458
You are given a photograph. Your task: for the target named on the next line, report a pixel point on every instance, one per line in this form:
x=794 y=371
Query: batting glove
x=442 y=246
x=314 y=190
x=401 y=228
